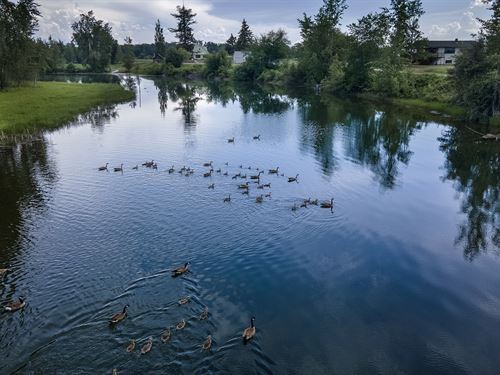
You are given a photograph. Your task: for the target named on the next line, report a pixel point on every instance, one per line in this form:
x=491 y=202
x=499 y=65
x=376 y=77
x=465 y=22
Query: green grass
x=436 y=106
x=149 y=67
x=53 y=104
x=431 y=69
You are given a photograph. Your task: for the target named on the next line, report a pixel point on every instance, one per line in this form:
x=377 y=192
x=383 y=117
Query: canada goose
x=245 y=192
x=148 y=164
x=267 y=185
x=227 y=199
x=16 y=305
x=218 y=170
x=171 y=170
x=249 y=168
x=155 y=166
x=117 y=318
x=244 y=186
x=236 y=176
x=147 y=346
x=293 y=179
x=241 y=166
x=131 y=346
x=259 y=199
x=3 y=272
x=183 y=169
x=304 y=204
x=208 y=164
x=243 y=176
x=314 y=202
x=225 y=174
x=256 y=177
x=183 y=301
x=230 y=140
x=181 y=270
x=257 y=137
x=249 y=332
x=261 y=187
x=268 y=195
x=294 y=207
x=119 y=169
x=136 y=167
x=226 y=163
x=180 y=325
x=207 y=344
x=211 y=186
x=208 y=174
x=104 y=167
x=274 y=171
x=327 y=204
x=204 y=314
x=165 y=336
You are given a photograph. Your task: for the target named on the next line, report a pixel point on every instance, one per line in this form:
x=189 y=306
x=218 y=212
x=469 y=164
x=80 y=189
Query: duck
x=208 y=164
x=249 y=332
x=3 y=272
x=171 y=170
x=327 y=204
x=181 y=270
x=103 y=168
x=227 y=199
x=119 y=169
x=230 y=140
x=16 y=305
x=256 y=177
x=204 y=314
x=293 y=179
x=207 y=344
x=147 y=346
x=118 y=317
x=212 y=186
x=180 y=325
x=259 y=199
x=274 y=171
x=136 y=167
x=257 y=137
x=131 y=346
x=244 y=186
x=183 y=301
x=165 y=336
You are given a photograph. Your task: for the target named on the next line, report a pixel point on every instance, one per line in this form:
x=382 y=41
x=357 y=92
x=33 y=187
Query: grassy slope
x=52 y=104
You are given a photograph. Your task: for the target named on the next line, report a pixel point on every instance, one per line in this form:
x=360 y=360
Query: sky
x=217 y=19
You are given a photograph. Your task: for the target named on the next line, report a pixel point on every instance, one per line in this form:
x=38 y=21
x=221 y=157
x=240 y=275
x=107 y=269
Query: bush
x=217 y=65
x=335 y=81
x=176 y=56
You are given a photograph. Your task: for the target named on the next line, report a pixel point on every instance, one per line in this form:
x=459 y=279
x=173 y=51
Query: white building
x=447 y=51
x=199 y=52
x=239 y=57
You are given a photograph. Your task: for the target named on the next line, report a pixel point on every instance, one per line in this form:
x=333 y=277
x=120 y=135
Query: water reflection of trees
x=475 y=170
x=187 y=97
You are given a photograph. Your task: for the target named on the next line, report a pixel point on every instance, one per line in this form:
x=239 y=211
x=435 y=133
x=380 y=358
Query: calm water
x=403 y=277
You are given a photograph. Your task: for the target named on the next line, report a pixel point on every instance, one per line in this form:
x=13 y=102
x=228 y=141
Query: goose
x=227 y=199
x=249 y=168
x=274 y=171
x=117 y=318
x=218 y=170
x=181 y=270
x=136 y=167
x=267 y=185
x=259 y=199
x=230 y=140
x=244 y=186
x=256 y=177
x=16 y=305
x=207 y=344
x=131 y=346
x=236 y=176
x=183 y=301
x=171 y=170
x=226 y=163
x=208 y=174
x=257 y=137
x=261 y=187
x=211 y=186
x=225 y=174
x=103 y=168
x=180 y=325
x=294 y=207
x=204 y=314
x=208 y=164
x=249 y=332
x=243 y=176
x=183 y=169
x=246 y=192
x=327 y=204
x=241 y=166
x=155 y=166
x=147 y=346
x=314 y=202
x=114 y=372
x=119 y=169
x=268 y=195
x=148 y=164
x=304 y=204
x=293 y=179
x=3 y=272
x=165 y=336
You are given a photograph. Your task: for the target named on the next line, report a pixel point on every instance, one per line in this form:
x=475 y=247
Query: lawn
x=431 y=69
x=52 y=104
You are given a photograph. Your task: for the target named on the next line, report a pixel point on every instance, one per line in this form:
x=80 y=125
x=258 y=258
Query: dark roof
x=451 y=43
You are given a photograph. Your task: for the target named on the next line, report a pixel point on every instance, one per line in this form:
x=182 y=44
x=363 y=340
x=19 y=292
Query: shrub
x=176 y=56
x=217 y=65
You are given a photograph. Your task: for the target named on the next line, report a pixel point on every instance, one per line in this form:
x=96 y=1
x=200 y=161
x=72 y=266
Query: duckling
x=181 y=270
x=207 y=344
x=183 y=301
x=136 y=168
x=259 y=199
x=208 y=164
x=147 y=346
x=180 y=325
x=293 y=179
x=165 y=336
x=212 y=186
x=257 y=137
x=249 y=332
x=16 y=305
x=327 y=204
x=3 y=272
x=227 y=199
x=230 y=140
x=119 y=169
x=244 y=186
x=117 y=318
x=274 y=171
x=131 y=346
x=204 y=314
x=103 y=168
x=256 y=177
x=171 y=170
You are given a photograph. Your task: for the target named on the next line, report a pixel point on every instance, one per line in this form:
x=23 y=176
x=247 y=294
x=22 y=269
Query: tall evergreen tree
x=245 y=37
x=490 y=29
x=231 y=44
x=184 y=32
x=160 y=45
x=128 y=56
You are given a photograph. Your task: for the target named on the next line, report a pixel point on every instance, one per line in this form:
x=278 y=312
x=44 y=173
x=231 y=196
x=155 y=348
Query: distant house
x=239 y=57
x=446 y=51
x=199 y=52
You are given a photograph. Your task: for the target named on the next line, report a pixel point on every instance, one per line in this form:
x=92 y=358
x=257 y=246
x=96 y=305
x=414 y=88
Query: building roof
x=451 y=43
x=199 y=49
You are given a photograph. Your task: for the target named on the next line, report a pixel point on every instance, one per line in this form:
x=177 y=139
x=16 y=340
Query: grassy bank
x=151 y=68
x=52 y=104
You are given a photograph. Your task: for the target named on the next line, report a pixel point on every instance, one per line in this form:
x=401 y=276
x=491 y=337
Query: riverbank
x=52 y=104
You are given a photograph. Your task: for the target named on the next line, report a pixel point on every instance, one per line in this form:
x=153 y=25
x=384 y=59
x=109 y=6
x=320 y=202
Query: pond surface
x=401 y=277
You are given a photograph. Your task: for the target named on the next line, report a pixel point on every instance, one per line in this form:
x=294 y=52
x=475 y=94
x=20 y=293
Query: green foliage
x=160 y=45
x=335 y=81
x=128 y=56
x=184 y=31
x=405 y=16
x=217 y=65
x=176 y=56
x=245 y=37
x=94 y=40
x=231 y=44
